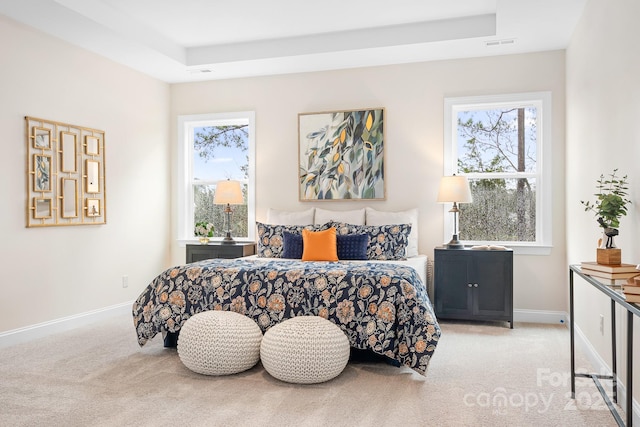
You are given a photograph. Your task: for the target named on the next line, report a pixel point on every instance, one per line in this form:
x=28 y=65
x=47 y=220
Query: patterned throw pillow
x=271 y=240
x=291 y=245
x=374 y=217
x=353 y=246
x=386 y=242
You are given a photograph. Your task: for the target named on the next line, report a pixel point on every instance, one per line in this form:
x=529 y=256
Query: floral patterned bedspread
x=380 y=307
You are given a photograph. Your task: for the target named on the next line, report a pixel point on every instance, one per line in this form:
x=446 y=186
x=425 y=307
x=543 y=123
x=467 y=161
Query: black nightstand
x=218 y=250
x=473 y=284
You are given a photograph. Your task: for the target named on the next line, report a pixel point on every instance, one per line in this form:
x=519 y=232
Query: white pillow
x=275 y=216
x=355 y=217
x=410 y=216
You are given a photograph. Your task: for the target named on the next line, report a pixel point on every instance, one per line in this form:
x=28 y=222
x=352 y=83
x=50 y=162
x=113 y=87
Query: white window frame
x=184 y=180
x=542 y=102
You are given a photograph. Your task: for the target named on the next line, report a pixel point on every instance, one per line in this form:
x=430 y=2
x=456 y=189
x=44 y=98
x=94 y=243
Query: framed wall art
x=41 y=173
x=341 y=155
x=93 y=207
x=41 y=138
x=65 y=174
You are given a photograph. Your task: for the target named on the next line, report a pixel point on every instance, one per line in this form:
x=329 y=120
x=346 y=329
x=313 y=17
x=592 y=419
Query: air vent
x=499 y=42
x=200 y=70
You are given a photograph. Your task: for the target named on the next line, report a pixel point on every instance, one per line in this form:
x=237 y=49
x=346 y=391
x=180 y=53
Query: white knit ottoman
x=304 y=350
x=219 y=343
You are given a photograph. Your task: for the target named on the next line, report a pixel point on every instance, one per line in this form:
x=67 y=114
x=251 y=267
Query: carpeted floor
x=480 y=375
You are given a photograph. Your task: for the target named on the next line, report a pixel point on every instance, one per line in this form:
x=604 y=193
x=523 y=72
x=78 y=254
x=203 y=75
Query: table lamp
x=454 y=189
x=228 y=193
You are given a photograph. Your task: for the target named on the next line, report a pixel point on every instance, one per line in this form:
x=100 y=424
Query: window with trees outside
x=213 y=148
x=502 y=144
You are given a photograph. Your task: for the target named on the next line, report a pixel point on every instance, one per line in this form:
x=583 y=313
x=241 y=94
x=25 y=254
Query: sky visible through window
x=224 y=165
x=503 y=140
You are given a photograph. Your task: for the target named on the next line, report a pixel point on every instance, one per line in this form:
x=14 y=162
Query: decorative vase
x=607 y=253
x=204 y=240
x=607 y=242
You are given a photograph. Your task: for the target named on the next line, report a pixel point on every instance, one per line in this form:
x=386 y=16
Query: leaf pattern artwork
x=342 y=155
x=42 y=171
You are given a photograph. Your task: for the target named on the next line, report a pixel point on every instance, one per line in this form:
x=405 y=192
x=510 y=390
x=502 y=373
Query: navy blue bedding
x=383 y=308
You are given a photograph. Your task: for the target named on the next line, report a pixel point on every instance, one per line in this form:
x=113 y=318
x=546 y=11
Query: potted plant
x=203 y=230
x=610 y=206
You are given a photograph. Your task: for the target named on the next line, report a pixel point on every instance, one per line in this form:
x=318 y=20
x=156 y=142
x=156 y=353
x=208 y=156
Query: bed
x=381 y=304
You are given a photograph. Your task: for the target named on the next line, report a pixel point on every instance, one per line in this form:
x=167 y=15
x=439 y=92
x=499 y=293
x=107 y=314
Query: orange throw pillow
x=319 y=245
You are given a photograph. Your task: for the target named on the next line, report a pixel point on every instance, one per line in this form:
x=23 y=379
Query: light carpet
x=480 y=375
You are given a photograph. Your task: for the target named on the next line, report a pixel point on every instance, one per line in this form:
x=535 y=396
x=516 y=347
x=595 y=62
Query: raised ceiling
x=191 y=40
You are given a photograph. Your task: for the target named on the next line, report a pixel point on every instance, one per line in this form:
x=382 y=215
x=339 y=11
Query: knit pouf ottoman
x=304 y=350
x=219 y=343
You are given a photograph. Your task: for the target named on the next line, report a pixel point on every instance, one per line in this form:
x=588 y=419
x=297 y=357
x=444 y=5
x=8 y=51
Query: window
x=502 y=144
x=215 y=147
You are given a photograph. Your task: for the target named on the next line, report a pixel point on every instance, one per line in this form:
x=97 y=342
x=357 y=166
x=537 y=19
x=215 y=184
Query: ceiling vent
x=499 y=42
x=194 y=71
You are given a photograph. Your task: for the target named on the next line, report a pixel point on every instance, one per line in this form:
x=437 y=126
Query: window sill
x=518 y=248
x=215 y=240
x=184 y=242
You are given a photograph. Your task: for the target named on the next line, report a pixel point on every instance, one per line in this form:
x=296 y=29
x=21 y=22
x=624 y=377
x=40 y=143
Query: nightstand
x=201 y=252
x=473 y=284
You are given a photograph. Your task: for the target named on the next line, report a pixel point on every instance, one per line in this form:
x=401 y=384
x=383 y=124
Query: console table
x=616 y=297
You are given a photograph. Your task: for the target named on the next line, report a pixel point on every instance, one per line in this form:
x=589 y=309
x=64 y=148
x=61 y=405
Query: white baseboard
x=540 y=316
x=601 y=367
x=583 y=344
x=41 y=330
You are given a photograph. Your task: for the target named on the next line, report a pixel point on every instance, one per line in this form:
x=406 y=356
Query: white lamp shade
x=454 y=189
x=228 y=192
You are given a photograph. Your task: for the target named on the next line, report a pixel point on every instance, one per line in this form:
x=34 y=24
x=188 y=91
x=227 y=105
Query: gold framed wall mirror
x=69 y=198
x=92 y=145
x=65 y=172
x=42 y=208
x=68 y=161
x=93 y=176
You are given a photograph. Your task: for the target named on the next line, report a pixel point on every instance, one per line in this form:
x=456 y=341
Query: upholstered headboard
x=363 y=216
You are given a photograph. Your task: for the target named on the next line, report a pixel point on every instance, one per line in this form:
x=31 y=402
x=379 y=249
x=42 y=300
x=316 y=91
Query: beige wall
x=412 y=95
x=59 y=276
x=603 y=107
x=54 y=272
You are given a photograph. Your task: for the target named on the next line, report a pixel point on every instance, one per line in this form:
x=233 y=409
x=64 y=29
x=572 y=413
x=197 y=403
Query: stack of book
x=631 y=290
x=628 y=272
x=612 y=272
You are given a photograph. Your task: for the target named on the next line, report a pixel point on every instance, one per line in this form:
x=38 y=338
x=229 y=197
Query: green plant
x=204 y=229
x=611 y=200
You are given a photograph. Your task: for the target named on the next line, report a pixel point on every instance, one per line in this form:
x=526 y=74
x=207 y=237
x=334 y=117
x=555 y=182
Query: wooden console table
x=616 y=297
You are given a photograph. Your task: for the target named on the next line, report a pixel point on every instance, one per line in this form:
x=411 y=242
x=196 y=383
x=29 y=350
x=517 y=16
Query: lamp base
x=454 y=243
x=228 y=240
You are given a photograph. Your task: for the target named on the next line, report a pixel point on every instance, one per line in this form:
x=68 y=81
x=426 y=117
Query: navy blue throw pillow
x=291 y=245
x=353 y=246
